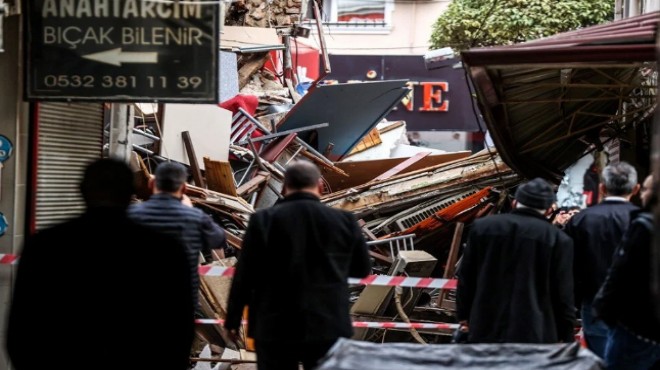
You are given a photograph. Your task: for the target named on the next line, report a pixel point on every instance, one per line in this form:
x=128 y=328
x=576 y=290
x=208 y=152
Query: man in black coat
x=100 y=291
x=625 y=300
x=515 y=282
x=292 y=274
x=596 y=232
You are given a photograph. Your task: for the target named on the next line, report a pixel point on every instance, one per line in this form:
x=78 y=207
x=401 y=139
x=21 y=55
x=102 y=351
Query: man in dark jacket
x=85 y=289
x=166 y=212
x=292 y=274
x=515 y=282
x=625 y=301
x=596 y=232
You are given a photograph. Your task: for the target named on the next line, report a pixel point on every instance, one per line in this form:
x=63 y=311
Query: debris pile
x=412 y=209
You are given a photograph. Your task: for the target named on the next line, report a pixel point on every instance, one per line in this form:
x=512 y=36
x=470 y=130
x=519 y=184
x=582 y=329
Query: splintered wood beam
x=192 y=159
x=219 y=177
x=450 y=268
x=251 y=66
x=253 y=184
x=233 y=240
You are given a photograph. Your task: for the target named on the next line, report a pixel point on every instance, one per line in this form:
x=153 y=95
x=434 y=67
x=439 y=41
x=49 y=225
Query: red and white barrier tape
x=405 y=281
x=380 y=280
x=368 y=324
x=8 y=259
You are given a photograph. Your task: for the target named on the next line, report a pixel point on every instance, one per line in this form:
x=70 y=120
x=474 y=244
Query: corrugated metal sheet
x=547 y=102
x=70 y=136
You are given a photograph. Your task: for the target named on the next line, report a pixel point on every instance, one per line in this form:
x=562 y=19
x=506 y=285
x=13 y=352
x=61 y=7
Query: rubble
x=410 y=207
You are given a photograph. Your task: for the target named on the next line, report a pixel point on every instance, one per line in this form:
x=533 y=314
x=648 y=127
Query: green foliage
x=472 y=23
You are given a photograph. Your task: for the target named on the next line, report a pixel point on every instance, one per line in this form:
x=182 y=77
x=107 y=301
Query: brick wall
x=264 y=13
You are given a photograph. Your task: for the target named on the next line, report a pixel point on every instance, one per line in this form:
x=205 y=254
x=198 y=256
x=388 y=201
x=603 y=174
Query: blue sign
x=6 y=148
x=3 y=224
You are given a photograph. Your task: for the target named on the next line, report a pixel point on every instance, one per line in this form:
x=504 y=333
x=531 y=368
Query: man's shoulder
x=605 y=209
x=494 y=219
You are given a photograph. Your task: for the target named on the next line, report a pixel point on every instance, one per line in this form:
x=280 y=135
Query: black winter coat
x=596 y=232
x=293 y=269
x=626 y=296
x=515 y=282
x=101 y=292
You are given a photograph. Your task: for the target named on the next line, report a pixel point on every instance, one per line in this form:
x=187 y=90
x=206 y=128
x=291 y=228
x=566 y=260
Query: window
x=355 y=14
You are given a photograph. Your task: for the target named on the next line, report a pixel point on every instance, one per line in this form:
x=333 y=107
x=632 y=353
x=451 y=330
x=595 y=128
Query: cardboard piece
x=247 y=39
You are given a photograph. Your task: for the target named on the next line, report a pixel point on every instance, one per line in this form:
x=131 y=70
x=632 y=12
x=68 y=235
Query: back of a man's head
x=535 y=194
x=301 y=175
x=107 y=183
x=619 y=179
x=170 y=176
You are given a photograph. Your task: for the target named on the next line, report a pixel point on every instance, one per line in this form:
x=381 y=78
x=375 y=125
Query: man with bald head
x=292 y=274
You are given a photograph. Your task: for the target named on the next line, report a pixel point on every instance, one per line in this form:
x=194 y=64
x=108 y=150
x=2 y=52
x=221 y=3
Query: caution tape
x=404 y=325
x=216 y=271
x=8 y=259
x=405 y=281
x=379 y=280
x=368 y=324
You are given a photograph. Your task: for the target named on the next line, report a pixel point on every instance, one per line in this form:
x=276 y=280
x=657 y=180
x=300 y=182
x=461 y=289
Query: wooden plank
x=370 y=140
x=220 y=177
x=450 y=267
x=402 y=166
x=192 y=159
x=323 y=165
x=253 y=184
x=361 y=172
x=250 y=67
x=234 y=241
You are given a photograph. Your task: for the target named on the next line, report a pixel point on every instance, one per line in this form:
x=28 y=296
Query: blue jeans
x=595 y=332
x=627 y=352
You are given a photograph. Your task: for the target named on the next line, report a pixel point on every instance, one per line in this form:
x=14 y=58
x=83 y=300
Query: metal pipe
x=298 y=140
x=284 y=133
x=148 y=152
x=147 y=135
x=263 y=167
x=324 y=50
x=382 y=241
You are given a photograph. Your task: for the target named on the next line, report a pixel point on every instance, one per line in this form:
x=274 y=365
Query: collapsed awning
x=547 y=102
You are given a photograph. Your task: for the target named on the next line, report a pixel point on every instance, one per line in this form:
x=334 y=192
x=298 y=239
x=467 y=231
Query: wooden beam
x=220 y=177
x=251 y=66
x=192 y=159
x=253 y=184
x=450 y=267
x=402 y=166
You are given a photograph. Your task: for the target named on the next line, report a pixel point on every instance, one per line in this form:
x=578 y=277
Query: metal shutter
x=70 y=136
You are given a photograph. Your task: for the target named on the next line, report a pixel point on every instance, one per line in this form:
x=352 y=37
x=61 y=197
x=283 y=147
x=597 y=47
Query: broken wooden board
x=219 y=199
x=254 y=183
x=219 y=176
x=411 y=188
x=372 y=139
x=361 y=172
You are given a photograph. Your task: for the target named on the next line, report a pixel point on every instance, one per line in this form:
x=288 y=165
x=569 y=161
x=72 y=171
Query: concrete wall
x=13 y=125
x=409 y=32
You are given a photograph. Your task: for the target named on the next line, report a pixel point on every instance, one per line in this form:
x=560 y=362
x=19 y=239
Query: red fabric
x=249 y=104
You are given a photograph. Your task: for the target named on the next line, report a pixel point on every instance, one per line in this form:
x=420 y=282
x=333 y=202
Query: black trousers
x=284 y=355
